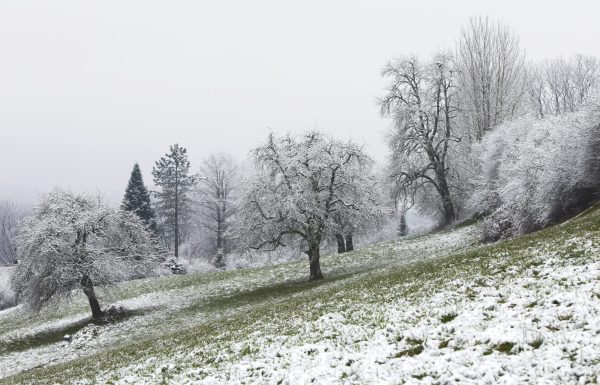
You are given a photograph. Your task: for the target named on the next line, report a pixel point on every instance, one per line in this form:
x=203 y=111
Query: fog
x=87 y=89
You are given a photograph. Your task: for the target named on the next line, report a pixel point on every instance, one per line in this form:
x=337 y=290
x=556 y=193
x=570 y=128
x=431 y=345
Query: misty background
x=87 y=89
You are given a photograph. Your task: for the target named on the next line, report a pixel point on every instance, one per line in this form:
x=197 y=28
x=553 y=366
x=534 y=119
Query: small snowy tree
x=402 y=226
x=73 y=242
x=300 y=188
x=220 y=259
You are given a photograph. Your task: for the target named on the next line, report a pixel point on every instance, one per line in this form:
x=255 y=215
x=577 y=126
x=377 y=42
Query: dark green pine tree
x=402 y=226
x=137 y=199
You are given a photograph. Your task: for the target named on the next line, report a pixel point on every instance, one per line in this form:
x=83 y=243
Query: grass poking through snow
x=435 y=308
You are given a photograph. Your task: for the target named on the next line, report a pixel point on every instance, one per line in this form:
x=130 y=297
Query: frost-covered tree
x=402 y=203
x=137 y=199
x=10 y=217
x=562 y=85
x=536 y=172
x=491 y=74
x=220 y=259
x=420 y=99
x=300 y=188
x=217 y=201
x=71 y=242
x=173 y=199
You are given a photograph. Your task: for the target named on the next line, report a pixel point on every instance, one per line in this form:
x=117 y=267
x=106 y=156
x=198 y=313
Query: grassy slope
x=196 y=328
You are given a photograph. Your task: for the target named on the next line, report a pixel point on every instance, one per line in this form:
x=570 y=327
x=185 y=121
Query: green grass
x=536 y=342
x=410 y=352
x=281 y=306
x=505 y=347
x=469 y=222
x=448 y=317
x=45 y=338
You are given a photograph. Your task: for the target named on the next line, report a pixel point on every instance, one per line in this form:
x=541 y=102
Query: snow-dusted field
x=431 y=309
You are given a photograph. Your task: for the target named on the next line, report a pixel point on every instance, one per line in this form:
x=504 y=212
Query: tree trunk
x=176 y=230
x=176 y=210
x=449 y=213
x=444 y=191
x=219 y=230
x=349 y=244
x=88 y=289
x=315 y=266
x=340 y=243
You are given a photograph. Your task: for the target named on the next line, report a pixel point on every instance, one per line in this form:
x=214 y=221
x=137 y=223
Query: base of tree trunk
x=315 y=265
x=349 y=243
x=340 y=243
x=97 y=312
x=88 y=289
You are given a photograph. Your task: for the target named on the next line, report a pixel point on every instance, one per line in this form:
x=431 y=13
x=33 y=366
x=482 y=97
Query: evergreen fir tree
x=137 y=199
x=402 y=226
x=220 y=259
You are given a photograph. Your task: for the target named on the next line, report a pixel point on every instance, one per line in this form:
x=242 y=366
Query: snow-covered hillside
x=431 y=309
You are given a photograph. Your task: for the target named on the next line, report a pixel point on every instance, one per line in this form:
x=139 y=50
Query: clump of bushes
x=536 y=172
x=175 y=266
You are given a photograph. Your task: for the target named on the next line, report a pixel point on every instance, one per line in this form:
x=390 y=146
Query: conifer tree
x=171 y=175
x=402 y=225
x=137 y=199
x=220 y=259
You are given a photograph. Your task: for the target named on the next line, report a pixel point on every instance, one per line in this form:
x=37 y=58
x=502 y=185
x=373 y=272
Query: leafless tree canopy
x=217 y=199
x=421 y=101
x=10 y=217
x=491 y=72
x=561 y=85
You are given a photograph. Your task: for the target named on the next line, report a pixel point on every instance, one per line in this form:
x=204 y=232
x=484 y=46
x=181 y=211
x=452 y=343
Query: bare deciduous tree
x=421 y=101
x=491 y=74
x=73 y=242
x=10 y=216
x=216 y=199
x=561 y=85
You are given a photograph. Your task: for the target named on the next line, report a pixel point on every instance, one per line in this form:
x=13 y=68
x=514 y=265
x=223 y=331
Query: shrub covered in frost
x=537 y=172
x=175 y=266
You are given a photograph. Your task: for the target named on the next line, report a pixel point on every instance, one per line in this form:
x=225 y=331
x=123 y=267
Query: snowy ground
x=432 y=309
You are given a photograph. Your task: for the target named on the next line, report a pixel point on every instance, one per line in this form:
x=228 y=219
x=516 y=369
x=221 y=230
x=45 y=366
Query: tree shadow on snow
x=262 y=294
x=65 y=332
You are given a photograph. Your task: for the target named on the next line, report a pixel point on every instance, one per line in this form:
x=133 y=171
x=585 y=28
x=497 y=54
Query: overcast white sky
x=88 y=88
